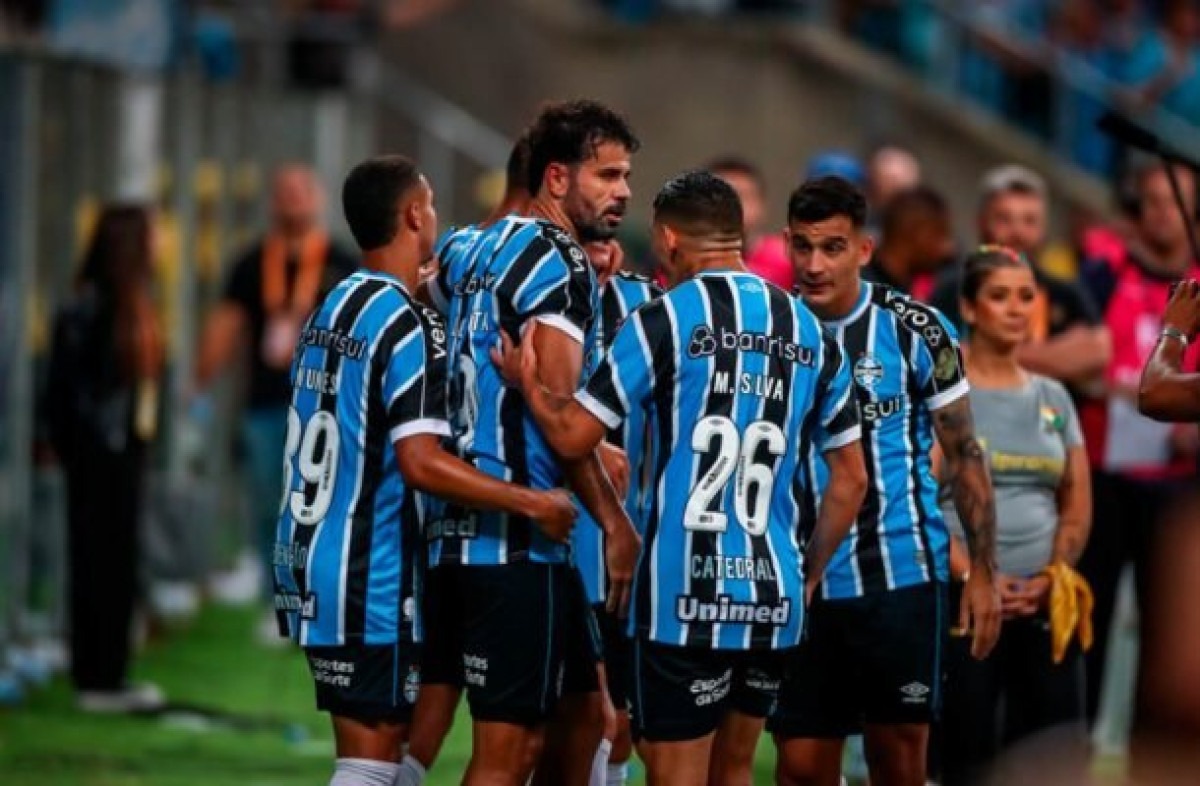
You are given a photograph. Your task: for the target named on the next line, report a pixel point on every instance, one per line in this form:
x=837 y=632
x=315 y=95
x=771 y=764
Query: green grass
x=266 y=730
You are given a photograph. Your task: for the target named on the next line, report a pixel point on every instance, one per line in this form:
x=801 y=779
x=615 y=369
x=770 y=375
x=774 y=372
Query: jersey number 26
x=734 y=452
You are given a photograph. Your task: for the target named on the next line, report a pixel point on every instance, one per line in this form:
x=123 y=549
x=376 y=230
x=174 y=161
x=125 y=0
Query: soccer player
x=621 y=292
x=495 y=575
x=736 y=379
x=875 y=630
x=367 y=413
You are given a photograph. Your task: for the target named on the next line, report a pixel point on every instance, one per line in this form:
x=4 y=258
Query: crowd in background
x=1047 y=66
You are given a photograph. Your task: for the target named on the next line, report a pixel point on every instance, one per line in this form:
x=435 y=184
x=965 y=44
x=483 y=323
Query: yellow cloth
x=1070 y=609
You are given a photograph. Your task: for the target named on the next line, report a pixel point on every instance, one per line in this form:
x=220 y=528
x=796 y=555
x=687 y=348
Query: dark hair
x=118 y=267
x=700 y=203
x=920 y=203
x=569 y=132
x=738 y=166
x=516 y=172
x=980 y=264
x=370 y=196
x=822 y=198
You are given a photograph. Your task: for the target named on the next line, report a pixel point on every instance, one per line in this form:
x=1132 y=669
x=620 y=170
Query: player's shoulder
x=920 y=319
x=629 y=281
x=453 y=239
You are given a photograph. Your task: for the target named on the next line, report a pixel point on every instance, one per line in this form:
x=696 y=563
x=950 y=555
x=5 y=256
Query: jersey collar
x=860 y=307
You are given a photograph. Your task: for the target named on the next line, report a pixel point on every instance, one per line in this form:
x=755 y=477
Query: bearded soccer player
x=493 y=575
x=871 y=659
x=736 y=380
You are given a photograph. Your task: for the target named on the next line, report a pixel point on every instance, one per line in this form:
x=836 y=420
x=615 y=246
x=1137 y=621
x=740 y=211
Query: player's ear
x=557 y=180
x=866 y=248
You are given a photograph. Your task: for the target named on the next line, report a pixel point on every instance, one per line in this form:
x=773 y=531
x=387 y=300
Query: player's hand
x=616 y=466
x=979 y=612
x=622 y=545
x=507 y=359
x=606 y=257
x=554 y=513
x=1183 y=309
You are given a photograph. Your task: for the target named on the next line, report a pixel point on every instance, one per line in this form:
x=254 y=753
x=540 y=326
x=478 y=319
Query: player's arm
x=1167 y=392
x=965 y=470
x=839 y=438
x=426 y=466
x=581 y=434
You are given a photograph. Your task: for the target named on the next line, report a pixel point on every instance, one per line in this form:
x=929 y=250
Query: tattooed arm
x=965 y=470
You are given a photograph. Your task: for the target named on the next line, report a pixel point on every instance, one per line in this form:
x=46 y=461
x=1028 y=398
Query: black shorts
x=682 y=693
x=369 y=682
x=618 y=656
x=870 y=660
x=584 y=648
x=500 y=631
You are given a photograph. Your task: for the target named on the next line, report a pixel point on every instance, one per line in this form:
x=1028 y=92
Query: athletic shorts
x=499 y=631
x=682 y=693
x=869 y=660
x=618 y=656
x=369 y=682
x=584 y=648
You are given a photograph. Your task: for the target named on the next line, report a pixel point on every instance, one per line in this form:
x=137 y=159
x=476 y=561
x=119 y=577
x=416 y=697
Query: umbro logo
x=915 y=693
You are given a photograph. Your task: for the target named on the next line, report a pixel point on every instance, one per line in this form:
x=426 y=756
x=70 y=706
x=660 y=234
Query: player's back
x=905 y=364
x=516 y=270
x=741 y=375
x=348 y=527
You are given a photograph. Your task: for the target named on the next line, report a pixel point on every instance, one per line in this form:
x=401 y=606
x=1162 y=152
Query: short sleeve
x=552 y=281
x=938 y=363
x=837 y=404
x=625 y=376
x=414 y=374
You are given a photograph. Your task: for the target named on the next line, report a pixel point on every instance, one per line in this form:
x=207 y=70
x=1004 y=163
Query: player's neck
x=716 y=262
x=549 y=210
x=397 y=262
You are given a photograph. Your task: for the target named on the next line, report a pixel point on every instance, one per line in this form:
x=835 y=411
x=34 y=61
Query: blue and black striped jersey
x=516 y=270
x=906 y=363
x=736 y=379
x=620 y=296
x=365 y=375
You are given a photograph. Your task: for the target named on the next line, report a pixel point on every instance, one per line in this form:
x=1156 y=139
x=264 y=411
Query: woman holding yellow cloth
x=1033 y=682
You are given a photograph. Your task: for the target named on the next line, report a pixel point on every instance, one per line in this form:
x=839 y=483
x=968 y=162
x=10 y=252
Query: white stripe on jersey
x=880 y=476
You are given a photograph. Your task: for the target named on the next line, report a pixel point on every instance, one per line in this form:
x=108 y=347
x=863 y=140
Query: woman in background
x=1030 y=434
x=102 y=392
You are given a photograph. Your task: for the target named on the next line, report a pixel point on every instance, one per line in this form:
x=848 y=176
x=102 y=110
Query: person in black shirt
x=1068 y=341
x=915 y=240
x=270 y=291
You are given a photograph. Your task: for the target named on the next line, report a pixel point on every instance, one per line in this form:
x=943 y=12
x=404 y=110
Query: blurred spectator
x=765 y=254
x=1067 y=340
x=102 y=407
x=835 y=163
x=1080 y=33
x=1162 y=67
x=270 y=292
x=1030 y=433
x=891 y=170
x=914 y=244
x=1140 y=466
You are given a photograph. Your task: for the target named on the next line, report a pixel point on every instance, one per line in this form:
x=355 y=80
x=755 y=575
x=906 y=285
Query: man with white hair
x=1068 y=340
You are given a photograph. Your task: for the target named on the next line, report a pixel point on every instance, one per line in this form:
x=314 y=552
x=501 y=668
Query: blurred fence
x=74 y=135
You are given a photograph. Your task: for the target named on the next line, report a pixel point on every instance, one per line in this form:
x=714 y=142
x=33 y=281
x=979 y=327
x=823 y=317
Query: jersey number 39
x=735 y=452
x=317 y=441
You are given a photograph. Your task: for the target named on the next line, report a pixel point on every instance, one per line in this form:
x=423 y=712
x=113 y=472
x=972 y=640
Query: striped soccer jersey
x=623 y=293
x=516 y=270
x=736 y=379
x=905 y=363
x=365 y=375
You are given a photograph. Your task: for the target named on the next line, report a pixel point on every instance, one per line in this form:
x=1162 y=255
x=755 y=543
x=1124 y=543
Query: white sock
x=363 y=772
x=411 y=773
x=600 y=764
x=618 y=774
